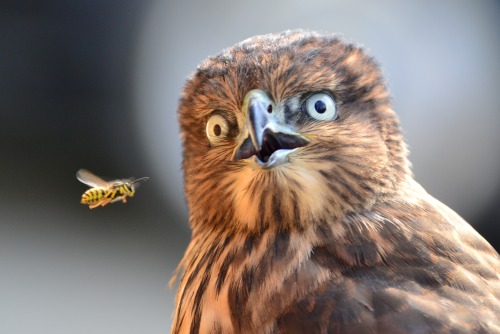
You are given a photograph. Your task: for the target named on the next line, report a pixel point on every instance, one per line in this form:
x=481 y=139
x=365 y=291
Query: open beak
x=268 y=139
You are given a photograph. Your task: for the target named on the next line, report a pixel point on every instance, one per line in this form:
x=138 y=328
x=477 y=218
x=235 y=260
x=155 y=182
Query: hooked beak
x=268 y=139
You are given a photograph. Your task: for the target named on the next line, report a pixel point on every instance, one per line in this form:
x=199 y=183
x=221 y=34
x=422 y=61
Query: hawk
x=304 y=212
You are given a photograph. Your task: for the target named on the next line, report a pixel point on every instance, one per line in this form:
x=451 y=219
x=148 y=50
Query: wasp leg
x=108 y=197
x=105 y=202
x=93 y=206
x=119 y=198
x=124 y=199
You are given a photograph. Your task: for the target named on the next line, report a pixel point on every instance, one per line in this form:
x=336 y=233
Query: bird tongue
x=271 y=142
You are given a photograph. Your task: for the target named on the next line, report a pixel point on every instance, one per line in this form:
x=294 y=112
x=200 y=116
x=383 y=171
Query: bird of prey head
x=285 y=129
x=305 y=214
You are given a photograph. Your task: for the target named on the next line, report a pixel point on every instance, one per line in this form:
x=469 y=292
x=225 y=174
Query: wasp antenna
x=141 y=179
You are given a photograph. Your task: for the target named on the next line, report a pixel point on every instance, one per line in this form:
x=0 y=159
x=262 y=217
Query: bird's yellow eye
x=321 y=106
x=217 y=129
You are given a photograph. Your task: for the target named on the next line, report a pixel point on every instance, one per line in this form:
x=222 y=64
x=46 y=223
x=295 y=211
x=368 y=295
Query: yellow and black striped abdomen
x=93 y=195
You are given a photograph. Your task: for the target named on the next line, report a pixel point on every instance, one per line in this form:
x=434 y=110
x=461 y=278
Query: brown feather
x=340 y=239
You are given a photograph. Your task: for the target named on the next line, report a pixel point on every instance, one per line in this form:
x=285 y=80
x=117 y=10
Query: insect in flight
x=105 y=192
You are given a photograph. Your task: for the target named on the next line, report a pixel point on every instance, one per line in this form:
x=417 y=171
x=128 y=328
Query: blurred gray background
x=95 y=84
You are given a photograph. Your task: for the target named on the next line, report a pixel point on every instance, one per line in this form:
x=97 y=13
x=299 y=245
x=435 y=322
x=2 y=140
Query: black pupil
x=217 y=130
x=320 y=106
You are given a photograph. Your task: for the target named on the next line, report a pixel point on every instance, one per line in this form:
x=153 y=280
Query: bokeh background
x=95 y=84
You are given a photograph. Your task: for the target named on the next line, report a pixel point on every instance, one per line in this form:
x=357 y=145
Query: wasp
x=105 y=192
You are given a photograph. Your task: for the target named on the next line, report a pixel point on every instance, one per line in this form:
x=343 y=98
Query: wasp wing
x=91 y=179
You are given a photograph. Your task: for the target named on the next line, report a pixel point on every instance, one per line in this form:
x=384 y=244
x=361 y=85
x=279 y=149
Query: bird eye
x=217 y=129
x=321 y=106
